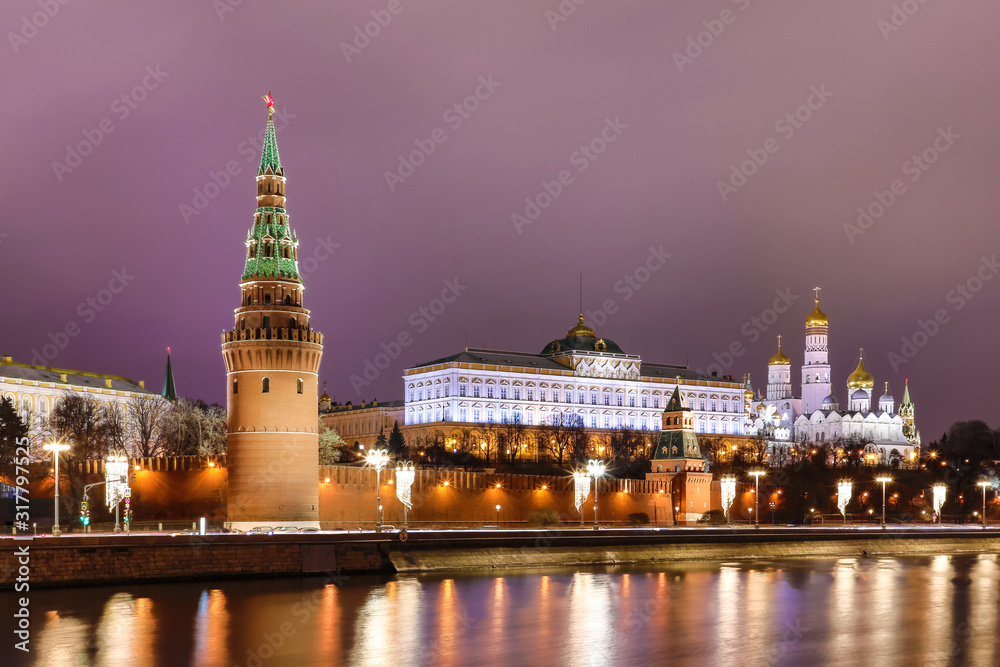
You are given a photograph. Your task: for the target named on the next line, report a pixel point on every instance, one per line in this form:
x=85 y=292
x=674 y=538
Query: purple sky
x=656 y=184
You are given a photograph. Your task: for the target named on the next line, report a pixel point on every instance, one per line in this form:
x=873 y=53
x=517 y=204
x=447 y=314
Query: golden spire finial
x=270 y=105
x=779 y=342
x=816 y=290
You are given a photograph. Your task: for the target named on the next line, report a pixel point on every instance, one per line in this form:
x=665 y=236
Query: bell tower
x=272 y=361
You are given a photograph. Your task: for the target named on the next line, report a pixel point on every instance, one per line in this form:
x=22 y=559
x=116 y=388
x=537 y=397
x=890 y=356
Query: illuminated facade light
x=728 y=487
x=404 y=481
x=844 y=491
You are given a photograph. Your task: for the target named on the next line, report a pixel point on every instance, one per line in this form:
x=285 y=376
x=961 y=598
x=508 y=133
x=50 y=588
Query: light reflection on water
x=907 y=611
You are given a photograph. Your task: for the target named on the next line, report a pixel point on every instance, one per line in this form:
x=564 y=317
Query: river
x=874 y=611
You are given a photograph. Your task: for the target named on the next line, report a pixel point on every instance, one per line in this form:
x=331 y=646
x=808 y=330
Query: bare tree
x=512 y=437
x=145 y=412
x=556 y=439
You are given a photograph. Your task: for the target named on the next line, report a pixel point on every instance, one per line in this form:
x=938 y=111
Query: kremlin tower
x=272 y=362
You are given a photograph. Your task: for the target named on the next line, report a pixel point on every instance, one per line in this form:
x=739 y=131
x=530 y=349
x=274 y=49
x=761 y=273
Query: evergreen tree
x=397 y=443
x=380 y=441
x=12 y=429
x=330 y=444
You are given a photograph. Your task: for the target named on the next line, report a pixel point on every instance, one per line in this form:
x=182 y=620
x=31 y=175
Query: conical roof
x=169 y=391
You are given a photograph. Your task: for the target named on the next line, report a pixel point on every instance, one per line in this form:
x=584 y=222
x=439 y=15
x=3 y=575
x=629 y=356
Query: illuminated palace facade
x=581 y=379
x=35 y=392
x=819 y=416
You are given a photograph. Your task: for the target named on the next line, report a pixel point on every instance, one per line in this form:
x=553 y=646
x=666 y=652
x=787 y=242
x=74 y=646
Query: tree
x=397 y=443
x=12 y=429
x=145 y=413
x=513 y=437
x=556 y=440
x=193 y=427
x=77 y=421
x=330 y=445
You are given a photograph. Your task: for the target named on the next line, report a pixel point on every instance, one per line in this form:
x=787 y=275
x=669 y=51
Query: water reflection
x=211 y=628
x=846 y=612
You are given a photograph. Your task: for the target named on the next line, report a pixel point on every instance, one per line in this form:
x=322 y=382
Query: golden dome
x=860 y=378
x=581 y=330
x=325 y=398
x=817 y=318
x=779 y=359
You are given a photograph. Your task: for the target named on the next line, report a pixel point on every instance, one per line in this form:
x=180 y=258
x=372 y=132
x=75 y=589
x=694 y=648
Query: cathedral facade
x=889 y=435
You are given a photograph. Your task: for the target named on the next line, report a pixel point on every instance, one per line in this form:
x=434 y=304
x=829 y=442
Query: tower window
x=249 y=299
x=291 y=324
x=267 y=299
x=298 y=385
x=265 y=386
x=288 y=299
x=236 y=386
x=267 y=321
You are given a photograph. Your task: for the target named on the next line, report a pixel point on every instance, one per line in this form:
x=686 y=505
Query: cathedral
x=818 y=416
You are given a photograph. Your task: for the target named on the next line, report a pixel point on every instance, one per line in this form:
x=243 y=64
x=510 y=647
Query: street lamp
x=756 y=494
x=404 y=480
x=844 y=491
x=728 y=488
x=984 y=485
x=596 y=470
x=55 y=448
x=940 y=492
x=378 y=458
x=498 y=517
x=883 y=481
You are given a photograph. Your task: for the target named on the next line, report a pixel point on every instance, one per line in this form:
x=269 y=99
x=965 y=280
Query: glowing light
x=844 y=492
x=728 y=486
x=116 y=478
x=404 y=480
x=581 y=489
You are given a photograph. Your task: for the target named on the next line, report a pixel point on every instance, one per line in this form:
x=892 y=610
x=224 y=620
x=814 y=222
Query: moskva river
x=942 y=610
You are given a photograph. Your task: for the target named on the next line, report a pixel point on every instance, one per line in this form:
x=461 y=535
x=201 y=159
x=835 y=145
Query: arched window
x=236 y=385
x=249 y=299
x=266 y=388
x=267 y=299
x=298 y=385
x=288 y=299
x=267 y=321
x=291 y=324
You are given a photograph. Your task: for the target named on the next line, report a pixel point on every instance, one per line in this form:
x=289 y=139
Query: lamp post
x=727 y=486
x=55 y=448
x=378 y=458
x=940 y=492
x=883 y=481
x=596 y=470
x=404 y=480
x=984 y=485
x=756 y=494
x=844 y=492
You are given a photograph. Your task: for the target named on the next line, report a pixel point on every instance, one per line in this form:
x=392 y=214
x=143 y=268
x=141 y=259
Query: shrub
x=714 y=518
x=638 y=519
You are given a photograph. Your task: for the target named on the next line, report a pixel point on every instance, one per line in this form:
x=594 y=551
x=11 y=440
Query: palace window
x=555 y=418
x=631 y=423
x=713 y=405
x=645 y=401
x=489 y=392
x=541 y=394
x=489 y=416
x=517 y=393
x=645 y=423
x=475 y=415
x=475 y=391
x=503 y=392
x=555 y=395
x=593 y=398
x=530 y=418
x=593 y=421
x=607 y=421
x=701 y=404
x=631 y=401
x=461 y=389
x=619 y=421
x=607 y=398
x=447 y=390
x=620 y=399
x=462 y=414
x=411 y=393
x=656 y=401
x=531 y=394
x=581 y=397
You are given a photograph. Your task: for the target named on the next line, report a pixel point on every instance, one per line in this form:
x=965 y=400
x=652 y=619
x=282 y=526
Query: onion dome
x=861 y=378
x=325 y=398
x=886 y=397
x=817 y=318
x=830 y=402
x=779 y=359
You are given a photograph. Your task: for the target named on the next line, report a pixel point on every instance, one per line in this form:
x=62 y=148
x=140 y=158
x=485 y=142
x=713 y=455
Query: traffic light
x=84 y=514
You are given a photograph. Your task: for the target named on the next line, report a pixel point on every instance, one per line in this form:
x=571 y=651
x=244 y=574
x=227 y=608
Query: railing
x=299 y=335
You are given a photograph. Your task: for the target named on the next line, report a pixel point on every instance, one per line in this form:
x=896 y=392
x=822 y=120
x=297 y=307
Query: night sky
x=883 y=86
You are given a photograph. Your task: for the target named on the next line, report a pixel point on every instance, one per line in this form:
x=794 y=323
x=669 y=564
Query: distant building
x=817 y=416
x=37 y=390
x=359 y=425
x=580 y=379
